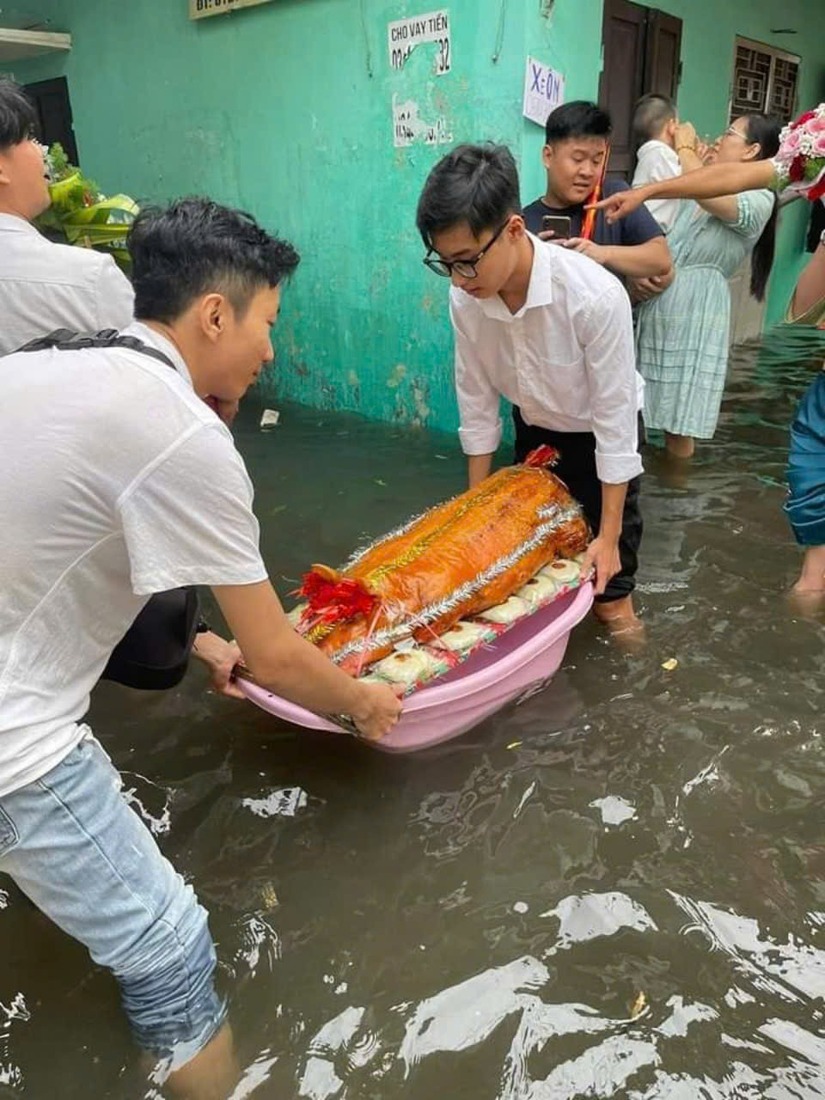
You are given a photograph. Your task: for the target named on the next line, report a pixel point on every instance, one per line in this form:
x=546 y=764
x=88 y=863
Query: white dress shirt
x=44 y=286
x=656 y=161
x=566 y=359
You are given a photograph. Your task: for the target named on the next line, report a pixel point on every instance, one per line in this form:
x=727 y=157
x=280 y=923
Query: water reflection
x=480 y=921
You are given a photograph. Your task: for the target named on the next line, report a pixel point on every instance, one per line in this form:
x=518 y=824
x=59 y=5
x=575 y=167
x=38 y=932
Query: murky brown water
x=477 y=921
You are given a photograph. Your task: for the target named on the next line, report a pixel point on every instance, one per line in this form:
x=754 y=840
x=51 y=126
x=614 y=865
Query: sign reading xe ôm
x=199 y=9
x=543 y=91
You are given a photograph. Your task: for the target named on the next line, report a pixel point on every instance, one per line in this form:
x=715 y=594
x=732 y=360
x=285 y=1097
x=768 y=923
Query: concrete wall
x=286 y=109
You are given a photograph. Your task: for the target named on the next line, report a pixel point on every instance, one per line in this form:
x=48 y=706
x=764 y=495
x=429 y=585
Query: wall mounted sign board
x=404 y=35
x=200 y=9
x=543 y=91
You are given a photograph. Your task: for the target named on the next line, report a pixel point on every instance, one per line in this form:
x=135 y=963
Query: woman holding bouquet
x=798 y=167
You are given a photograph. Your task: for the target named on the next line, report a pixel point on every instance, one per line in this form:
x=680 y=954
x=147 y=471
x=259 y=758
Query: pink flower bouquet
x=800 y=161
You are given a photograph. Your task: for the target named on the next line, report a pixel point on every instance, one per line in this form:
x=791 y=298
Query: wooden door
x=623 y=44
x=54 y=111
x=663 y=49
x=641 y=48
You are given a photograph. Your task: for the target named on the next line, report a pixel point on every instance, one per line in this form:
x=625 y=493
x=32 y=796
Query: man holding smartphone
x=552 y=333
x=577 y=137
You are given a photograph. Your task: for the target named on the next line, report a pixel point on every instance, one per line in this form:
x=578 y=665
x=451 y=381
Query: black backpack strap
x=65 y=339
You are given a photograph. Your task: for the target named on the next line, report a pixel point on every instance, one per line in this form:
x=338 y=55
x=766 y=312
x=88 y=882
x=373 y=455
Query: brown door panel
x=641 y=48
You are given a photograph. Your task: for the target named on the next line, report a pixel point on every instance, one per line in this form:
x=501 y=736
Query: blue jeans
x=73 y=845
x=805 y=506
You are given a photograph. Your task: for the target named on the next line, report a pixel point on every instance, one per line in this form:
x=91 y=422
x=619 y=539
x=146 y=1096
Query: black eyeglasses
x=465 y=268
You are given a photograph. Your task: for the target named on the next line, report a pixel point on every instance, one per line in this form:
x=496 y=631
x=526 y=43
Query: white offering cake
x=538 y=590
x=408 y=666
x=464 y=635
x=562 y=571
x=508 y=612
x=371 y=678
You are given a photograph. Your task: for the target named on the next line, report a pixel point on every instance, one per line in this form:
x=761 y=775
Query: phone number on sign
x=399 y=55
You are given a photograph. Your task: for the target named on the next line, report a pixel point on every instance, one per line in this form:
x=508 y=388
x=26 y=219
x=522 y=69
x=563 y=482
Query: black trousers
x=577 y=469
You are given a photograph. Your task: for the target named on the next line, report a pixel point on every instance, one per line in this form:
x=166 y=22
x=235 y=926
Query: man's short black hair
x=578 y=119
x=18 y=117
x=476 y=184
x=649 y=116
x=194 y=247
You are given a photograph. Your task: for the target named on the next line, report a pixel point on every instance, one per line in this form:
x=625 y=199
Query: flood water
x=477 y=922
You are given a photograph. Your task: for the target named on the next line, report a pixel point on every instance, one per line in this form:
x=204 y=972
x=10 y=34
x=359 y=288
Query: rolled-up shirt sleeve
x=479 y=402
x=606 y=334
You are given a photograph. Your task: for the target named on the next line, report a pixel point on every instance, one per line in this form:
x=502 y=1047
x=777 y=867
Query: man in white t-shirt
x=132 y=485
x=44 y=286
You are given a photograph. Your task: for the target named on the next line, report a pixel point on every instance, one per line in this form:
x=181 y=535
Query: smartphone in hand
x=558 y=225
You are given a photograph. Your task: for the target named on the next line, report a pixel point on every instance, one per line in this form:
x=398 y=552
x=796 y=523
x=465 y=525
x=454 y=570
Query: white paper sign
x=543 y=91
x=409 y=127
x=405 y=34
x=200 y=9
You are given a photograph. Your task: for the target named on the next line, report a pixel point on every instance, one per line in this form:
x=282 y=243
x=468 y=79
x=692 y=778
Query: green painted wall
x=286 y=110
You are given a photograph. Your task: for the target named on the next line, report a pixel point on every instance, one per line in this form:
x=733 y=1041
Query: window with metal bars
x=764 y=80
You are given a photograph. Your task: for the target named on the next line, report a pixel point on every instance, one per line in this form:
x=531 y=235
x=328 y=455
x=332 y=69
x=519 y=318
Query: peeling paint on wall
x=354 y=387
x=420 y=393
x=411 y=395
x=408 y=127
x=397 y=376
x=363 y=325
x=430 y=305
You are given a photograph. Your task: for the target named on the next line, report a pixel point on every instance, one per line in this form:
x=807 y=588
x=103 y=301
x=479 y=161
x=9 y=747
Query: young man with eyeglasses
x=551 y=331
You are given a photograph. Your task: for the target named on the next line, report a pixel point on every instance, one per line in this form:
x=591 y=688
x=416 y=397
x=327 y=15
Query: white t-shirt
x=118 y=481
x=657 y=161
x=44 y=286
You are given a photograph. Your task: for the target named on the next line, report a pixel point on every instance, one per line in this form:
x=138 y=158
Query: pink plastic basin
x=531 y=651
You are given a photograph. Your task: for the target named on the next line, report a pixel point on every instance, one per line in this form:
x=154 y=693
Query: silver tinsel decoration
x=553 y=515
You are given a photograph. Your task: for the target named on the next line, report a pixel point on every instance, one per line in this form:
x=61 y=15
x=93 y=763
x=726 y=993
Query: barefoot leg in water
x=617 y=615
x=626 y=631
x=679 y=446
x=211 y=1075
x=812 y=577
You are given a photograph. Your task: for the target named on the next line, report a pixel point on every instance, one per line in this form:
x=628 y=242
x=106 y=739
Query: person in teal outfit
x=683 y=334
